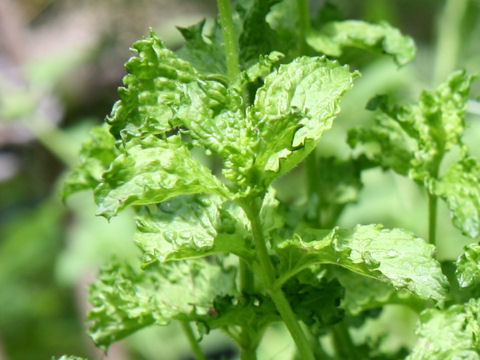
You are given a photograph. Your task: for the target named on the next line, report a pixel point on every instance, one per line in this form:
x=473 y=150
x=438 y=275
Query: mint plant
x=195 y=145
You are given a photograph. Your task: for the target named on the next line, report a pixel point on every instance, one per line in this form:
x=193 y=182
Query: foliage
x=196 y=148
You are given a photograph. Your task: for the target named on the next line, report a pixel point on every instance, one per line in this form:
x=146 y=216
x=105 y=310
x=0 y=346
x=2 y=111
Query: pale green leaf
x=468 y=266
x=152 y=171
x=459 y=187
x=96 y=155
x=125 y=300
x=414 y=138
x=364 y=293
x=292 y=110
x=162 y=93
x=334 y=36
x=189 y=227
x=452 y=333
x=394 y=256
x=384 y=144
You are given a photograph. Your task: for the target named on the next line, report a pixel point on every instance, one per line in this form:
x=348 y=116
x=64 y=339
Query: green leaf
x=394 y=256
x=162 y=93
x=251 y=313
x=283 y=18
x=257 y=37
x=125 y=300
x=189 y=227
x=414 y=138
x=292 y=110
x=468 y=266
x=204 y=49
x=384 y=144
x=315 y=301
x=334 y=36
x=152 y=171
x=335 y=183
x=452 y=333
x=459 y=187
x=69 y=357
x=364 y=293
x=96 y=155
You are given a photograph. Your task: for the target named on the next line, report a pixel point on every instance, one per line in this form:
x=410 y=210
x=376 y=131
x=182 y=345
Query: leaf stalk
x=197 y=351
x=252 y=210
x=228 y=31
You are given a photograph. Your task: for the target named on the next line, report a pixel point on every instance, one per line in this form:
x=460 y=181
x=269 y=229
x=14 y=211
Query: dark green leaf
x=203 y=49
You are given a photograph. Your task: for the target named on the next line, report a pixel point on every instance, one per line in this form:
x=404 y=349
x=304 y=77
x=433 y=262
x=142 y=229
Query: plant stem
x=251 y=209
x=432 y=218
x=304 y=20
x=432 y=203
x=247 y=283
x=228 y=31
x=248 y=347
x=344 y=346
x=448 y=38
x=187 y=329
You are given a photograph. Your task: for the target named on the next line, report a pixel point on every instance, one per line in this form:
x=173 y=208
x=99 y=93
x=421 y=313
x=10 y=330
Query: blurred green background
x=60 y=64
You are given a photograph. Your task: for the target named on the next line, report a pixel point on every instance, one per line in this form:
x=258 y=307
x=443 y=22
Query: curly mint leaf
x=151 y=171
x=162 y=92
x=413 y=139
x=334 y=36
x=394 y=256
x=452 y=333
x=468 y=266
x=384 y=144
x=96 y=155
x=294 y=107
x=125 y=300
x=189 y=227
x=459 y=187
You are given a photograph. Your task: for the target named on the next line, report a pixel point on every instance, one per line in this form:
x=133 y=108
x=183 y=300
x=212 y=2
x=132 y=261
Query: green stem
x=312 y=186
x=304 y=20
x=344 y=346
x=187 y=329
x=248 y=354
x=228 y=30
x=448 y=38
x=248 y=347
x=432 y=218
x=432 y=204
x=251 y=209
x=247 y=282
